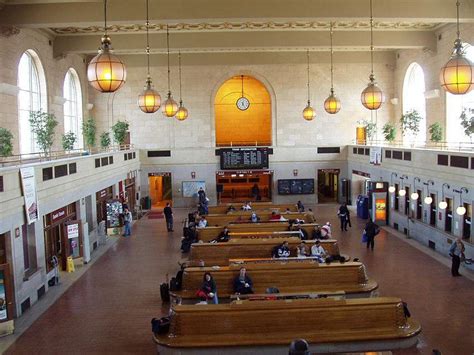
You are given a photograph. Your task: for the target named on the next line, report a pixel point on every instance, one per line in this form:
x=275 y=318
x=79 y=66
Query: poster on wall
x=3 y=298
x=191 y=188
x=375 y=155
x=28 y=183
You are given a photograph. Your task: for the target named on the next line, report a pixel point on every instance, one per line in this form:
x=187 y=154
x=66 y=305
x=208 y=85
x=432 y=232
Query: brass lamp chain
x=332 y=70
x=105 y=17
x=168 y=46
x=371 y=39
x=307 y=68
x=147 y=40
x=179 y=64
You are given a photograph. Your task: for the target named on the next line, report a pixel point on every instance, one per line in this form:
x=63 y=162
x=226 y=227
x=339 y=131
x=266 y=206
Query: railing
x=454 y=146
x=20 y=159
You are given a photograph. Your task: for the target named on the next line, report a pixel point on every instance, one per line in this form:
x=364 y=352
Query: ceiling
x=198 y=26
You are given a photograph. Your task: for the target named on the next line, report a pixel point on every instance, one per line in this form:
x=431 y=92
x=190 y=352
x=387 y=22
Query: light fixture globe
x=372 y=97
x=391 y=189
x=332 y=104
x=170 y=107
x=402 y=192
x=457 y=75
x=428 y=200
x=309 y=113
x=182 y=113
x=149 y=99
x=442 y=205
x=414 y=196
x=461 y=210
x=106 y=72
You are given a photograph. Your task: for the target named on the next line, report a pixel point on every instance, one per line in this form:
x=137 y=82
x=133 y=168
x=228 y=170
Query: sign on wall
x=375 y=155
x=28 y=183
x=191 y=188
x=244 y=158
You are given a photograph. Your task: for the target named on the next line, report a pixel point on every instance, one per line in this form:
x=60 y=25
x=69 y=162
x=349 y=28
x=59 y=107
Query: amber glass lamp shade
x=170 y=107
x=106 y=72
x=182 y=113
x=309 y=113
x=457 y=76
x=332 y=105
x=372 y=97
x=149 y=100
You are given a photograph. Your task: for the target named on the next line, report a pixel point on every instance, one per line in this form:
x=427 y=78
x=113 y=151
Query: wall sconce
x=391 y=188
x=414 y=196
x=193 y=174
x=443 y=204
x=428 y=199
x=295 y=172
x=461 y=210
x=402 y=192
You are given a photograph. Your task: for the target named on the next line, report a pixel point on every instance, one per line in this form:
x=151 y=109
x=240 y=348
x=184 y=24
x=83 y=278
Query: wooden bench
x=220 y=253
x=224 y=219
x=303 y=276
x=346 y=325
x=255 y=205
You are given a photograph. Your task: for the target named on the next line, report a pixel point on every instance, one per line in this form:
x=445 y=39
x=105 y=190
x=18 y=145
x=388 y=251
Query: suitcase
x=165 y=292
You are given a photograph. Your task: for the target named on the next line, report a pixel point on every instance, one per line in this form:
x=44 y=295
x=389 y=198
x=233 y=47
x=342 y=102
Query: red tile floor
x=108 y=310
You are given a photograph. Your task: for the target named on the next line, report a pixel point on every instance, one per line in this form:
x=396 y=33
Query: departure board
x=244 y=158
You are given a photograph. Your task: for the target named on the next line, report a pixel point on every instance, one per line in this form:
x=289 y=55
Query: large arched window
x=414 y=99
x=73 y=107
x=31 y=97
x=455 y=104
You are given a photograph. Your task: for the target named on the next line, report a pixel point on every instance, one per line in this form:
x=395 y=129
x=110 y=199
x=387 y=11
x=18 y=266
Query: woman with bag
x=208 y=289
x=456 y=252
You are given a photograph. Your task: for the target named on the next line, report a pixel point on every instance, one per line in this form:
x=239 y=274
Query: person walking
x=127 y=221
x=371 y=230
x=168 y=212
x=456 y=251
x=343 y=212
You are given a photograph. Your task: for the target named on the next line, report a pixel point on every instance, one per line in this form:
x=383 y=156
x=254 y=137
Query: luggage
x=160 y=326
x=165 y=292
x=176 y=282
x=186 y=245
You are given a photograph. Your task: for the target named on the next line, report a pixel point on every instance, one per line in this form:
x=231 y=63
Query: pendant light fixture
x=332 y=105
x=149 y=100
x=106 y=72
x=457 y=76
x=372 y=97
x=182 y=113
x=308 y=113
x=170 y=107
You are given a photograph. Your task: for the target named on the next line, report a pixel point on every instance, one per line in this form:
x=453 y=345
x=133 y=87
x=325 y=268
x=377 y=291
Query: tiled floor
x=108 y=310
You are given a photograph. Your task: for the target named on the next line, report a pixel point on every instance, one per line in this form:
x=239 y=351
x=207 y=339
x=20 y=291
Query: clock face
x=243 y=103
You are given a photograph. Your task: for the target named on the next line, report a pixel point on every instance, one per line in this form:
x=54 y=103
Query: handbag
x=364 y=237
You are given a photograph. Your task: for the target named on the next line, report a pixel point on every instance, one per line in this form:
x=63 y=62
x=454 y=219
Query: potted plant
x=104 y=140
x=436 y=132
x=68 y=141
x=120 y=131
x=6 y=146
x=467 y=122
x=389 y=132
x=410 y=123
x=370 y=130
x=43 y=125
x=89 y=129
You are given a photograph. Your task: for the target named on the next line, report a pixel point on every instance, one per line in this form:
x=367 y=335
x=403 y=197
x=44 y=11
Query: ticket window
x=448 y=221
x=432 y=214
x=419 y=205
x=466 y=223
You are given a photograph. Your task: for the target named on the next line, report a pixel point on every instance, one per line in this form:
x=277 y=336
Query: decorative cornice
x=7 y=31
x=248 y=26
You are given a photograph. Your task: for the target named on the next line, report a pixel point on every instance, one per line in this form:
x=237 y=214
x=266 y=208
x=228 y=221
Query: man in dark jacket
x=343 y=213
x=168 y=212
x=371 y=230
x=243 y=283
x=283 y=250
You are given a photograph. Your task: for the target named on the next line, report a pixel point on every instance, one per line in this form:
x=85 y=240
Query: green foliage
x=467 y=121
x=6 y=146
x=89 y=129
x=120 y=131
x=104 y=140
x=410 y=122
x=42 y=126
x=389 y=132
x=68 y=141
x=370 y=129
x=436 y=132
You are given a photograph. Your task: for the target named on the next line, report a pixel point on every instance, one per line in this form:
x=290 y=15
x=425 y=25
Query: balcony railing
x=453 y=146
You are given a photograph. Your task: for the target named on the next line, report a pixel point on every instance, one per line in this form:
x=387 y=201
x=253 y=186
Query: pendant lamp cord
x=179 y=64
x=332 y=71
x=105 y=17
x=457 y=16
x=307 y=68
x=168 y=45
x=371 y=39
x=147 y=40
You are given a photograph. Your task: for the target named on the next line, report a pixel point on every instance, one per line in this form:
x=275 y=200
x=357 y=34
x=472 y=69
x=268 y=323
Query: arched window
x=414 y=99
x=455 y=104
x=31 y=97
x=73 y=107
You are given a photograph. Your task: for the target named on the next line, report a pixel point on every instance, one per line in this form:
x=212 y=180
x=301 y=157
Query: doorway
x=244 y=186
x=7 y=304
x=160 y=189
x=328 y=185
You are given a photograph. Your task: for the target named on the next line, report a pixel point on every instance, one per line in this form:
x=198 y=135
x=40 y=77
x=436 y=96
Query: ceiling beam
x=84 y=14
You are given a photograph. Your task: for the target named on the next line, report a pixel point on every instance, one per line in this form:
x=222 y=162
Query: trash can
x=70 y=264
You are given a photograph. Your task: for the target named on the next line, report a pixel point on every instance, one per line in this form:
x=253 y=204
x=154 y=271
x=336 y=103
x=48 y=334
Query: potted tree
x=43 y=125
x=436 y=132
x=89 y=129
x=120 y=131
x=6 y=146
x=370 y=130
x=389 y=132
x=104 y=140
x=68 y=141
x=467 y=122
x=410 y=124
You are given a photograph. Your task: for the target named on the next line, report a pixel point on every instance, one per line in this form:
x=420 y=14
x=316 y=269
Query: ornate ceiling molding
x=249 y=26
x=8 y=31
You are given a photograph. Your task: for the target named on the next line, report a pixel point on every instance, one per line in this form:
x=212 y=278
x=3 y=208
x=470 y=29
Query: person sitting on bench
x=223 y=236
x=301 y=250
x=202 y=222
x=231 y=209
x=303 y=233
x=208 y=289
x=254 y=218
x=283 y=250
x=243 y=283
x=317 y=232
x=275 y=216
x=247 y=206
x=318 y=251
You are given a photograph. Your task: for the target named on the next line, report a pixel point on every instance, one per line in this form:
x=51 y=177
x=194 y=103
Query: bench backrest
x=224 y=219
x=255 y=205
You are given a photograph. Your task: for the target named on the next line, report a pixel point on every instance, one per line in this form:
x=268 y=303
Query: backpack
x=165 y=292
x=160 y=326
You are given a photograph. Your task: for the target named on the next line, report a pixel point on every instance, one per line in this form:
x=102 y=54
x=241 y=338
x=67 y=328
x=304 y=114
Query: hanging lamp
x=170 y=107
x=308 y=113
x=182 y=113
x=372 y=97
x=149 y=99
x=457 y=76
x=106 y=72
x=332 y=105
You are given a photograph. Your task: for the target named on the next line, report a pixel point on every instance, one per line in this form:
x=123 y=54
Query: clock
x=243 y=103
